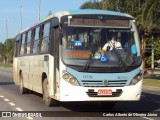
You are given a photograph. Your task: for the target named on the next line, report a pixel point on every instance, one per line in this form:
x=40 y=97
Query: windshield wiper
x=119 y=58
x=88 y=62
x=86 y=67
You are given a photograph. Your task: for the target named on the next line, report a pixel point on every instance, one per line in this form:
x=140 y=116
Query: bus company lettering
x=87 y=77
x=78 y=54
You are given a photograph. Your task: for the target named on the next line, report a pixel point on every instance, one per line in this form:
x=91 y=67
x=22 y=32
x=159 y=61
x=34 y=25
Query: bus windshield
x=100 y=47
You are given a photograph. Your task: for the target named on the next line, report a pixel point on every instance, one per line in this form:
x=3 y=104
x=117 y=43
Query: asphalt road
x=12 y=100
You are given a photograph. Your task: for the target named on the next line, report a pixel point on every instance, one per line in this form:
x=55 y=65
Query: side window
x=36 y=40
x=29 y=42
x=46 y=30
x=45 y=37
x=22 y=49
x=16 y=46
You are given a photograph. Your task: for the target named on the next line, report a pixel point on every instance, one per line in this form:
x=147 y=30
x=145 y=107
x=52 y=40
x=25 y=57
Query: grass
x=151 y=82
x=6 y=65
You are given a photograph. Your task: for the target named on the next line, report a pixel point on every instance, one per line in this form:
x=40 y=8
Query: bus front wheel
x=23 y=90
x=48 y=101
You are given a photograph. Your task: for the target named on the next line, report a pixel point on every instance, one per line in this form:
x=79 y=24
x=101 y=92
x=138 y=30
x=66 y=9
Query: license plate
x=104 y=92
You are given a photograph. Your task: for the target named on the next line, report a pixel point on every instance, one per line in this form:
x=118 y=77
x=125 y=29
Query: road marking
x=6 y=100
x=12 y=104
x=147 y=118
x=18 y=109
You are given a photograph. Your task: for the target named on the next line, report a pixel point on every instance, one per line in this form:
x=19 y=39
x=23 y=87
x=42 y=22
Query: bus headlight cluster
x=137 y=78
x=66 y=76
x=69 y=78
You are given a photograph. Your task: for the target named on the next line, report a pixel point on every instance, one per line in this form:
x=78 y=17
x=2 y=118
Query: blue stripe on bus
x=103 y=76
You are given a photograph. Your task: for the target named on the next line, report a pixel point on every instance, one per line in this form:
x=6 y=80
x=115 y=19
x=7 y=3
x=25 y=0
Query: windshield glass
x=102 y=47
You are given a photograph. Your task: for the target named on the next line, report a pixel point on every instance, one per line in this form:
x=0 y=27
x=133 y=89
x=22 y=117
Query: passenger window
x=37 y=33
x=17 y=44
x=29 y=42
x=23 y=44
x=45 y=39
x=46 y=30
x=36 y=40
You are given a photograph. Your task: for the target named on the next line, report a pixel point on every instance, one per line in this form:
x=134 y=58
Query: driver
x=113 y=43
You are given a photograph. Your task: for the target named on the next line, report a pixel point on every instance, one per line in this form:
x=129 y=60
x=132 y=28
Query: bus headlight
x=137 y=78
x=66 y=76
x=73 y=81
x=69 y=78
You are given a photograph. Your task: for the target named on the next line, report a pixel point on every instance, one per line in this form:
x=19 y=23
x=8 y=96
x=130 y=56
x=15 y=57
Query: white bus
x=64 y=58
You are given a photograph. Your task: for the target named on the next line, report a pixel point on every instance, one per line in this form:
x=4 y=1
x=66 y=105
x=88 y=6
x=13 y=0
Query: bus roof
x=83 y=12
x=92 y=12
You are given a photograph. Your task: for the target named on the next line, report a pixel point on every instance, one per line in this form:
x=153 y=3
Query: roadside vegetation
x=6 y=65
x=6 y=52
x=151 y=82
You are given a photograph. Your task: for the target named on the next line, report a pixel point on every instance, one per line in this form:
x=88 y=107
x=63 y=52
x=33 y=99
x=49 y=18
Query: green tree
x=157 y=49
x=2 y=52
x=94 y=4
x=9 y=50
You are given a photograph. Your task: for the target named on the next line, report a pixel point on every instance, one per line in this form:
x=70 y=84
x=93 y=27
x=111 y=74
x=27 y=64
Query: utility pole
x=152 y=63
x=20 y=7
x=6 y=29
x=7 y=38
x=39 y=9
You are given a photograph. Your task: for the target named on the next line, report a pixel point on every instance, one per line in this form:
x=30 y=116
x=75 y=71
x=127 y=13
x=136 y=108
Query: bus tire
x=47 y=100
x=23 y=90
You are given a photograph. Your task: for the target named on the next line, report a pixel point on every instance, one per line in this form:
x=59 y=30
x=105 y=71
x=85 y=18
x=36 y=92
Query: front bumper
x=79 y=93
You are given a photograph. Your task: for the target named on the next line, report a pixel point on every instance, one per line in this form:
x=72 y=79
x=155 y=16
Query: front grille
x=100 y=83
x=91 y=93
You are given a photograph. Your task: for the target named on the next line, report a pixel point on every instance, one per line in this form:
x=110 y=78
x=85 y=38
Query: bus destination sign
x=97 y=22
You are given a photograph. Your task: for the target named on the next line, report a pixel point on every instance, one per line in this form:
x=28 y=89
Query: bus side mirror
x=55 y=22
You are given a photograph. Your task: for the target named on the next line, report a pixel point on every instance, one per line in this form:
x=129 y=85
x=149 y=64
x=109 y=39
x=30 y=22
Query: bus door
x=15 y=61
x=56 y=59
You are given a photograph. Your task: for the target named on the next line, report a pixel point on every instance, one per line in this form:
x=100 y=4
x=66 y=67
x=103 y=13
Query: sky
x=10 y=13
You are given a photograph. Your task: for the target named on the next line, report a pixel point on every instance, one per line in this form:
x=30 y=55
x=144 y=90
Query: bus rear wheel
x=23 y=90
x=47 y=100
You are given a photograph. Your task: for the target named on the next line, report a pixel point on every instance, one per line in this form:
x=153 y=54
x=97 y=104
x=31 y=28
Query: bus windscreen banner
x=98 y=22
